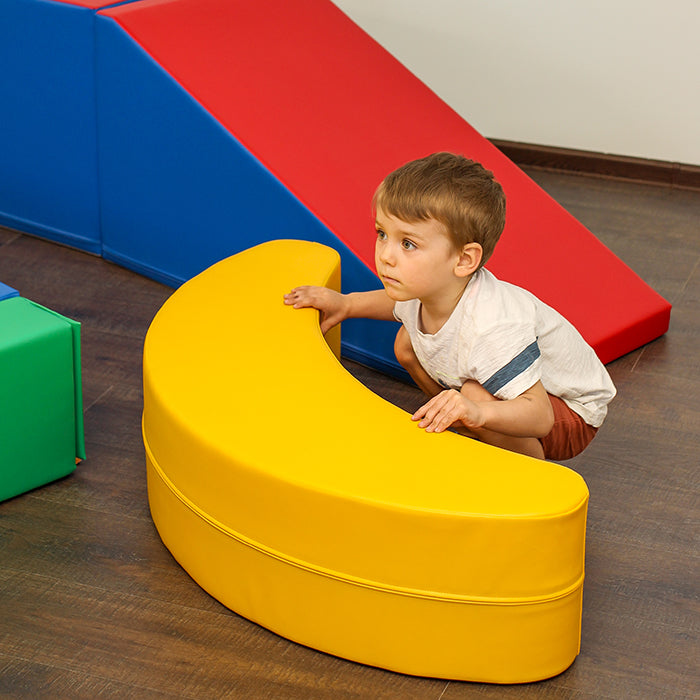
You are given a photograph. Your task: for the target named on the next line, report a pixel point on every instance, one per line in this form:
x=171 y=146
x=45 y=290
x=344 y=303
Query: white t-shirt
x=506 y=339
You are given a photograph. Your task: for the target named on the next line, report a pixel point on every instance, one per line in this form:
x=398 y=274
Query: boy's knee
x=403 y=350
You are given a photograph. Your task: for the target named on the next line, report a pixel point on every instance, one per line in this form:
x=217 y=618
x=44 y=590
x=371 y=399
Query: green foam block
x=41 y=407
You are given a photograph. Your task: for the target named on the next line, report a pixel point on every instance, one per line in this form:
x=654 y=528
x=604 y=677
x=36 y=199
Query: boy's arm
x=336 y=307
x=527 y=415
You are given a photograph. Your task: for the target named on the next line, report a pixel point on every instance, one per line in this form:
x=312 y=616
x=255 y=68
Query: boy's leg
x=530 y=446
x=570 y=434
x=472 y=390
x=407 y=359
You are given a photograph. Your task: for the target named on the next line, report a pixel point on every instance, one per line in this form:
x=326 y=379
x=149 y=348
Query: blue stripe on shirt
x=515 y=367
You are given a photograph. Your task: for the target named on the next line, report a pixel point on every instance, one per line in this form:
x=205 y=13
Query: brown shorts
x=570 y=434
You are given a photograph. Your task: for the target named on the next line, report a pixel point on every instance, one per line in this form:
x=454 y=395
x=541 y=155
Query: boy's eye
x=407 y=245
x=380 y=234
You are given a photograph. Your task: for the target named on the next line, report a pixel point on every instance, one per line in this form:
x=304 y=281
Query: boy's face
x=415 y=260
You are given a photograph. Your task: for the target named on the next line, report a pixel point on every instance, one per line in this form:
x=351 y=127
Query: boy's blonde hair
x=458 y=192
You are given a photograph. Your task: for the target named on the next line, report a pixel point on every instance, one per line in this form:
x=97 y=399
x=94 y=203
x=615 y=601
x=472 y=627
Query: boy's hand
x=447 y=408
x=334 y=307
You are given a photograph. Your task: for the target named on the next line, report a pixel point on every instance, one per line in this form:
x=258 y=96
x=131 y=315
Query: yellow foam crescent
x=306 y=503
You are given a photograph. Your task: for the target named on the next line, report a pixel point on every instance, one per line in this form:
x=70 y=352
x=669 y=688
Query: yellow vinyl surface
x=303 y=501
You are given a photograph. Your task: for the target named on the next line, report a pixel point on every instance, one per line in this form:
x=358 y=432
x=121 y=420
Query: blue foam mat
x=7 y=292
x=48 y=139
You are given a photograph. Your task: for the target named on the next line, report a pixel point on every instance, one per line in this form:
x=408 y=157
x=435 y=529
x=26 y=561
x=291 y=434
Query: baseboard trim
x=658 y=172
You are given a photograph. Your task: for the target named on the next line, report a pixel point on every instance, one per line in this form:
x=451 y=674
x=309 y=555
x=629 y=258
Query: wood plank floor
x=93 y=605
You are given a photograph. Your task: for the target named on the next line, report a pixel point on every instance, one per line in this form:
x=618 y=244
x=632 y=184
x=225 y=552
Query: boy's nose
x=385 y=253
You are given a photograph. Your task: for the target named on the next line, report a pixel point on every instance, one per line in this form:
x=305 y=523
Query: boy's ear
x=469 y=259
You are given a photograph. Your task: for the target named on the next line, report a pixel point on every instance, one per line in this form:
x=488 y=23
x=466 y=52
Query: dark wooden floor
x=92 y=604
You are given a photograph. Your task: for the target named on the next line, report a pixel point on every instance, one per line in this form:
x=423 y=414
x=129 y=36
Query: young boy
x=500 y=365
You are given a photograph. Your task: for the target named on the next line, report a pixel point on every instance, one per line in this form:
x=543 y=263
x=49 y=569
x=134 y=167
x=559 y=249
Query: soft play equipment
x=225 y=123
x=41 y=409
x=48 y=139
x=203 y=127
x=308 y=504
x=7 y=292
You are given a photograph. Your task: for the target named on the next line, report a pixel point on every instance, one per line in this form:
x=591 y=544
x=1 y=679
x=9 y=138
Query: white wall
x=611 y=76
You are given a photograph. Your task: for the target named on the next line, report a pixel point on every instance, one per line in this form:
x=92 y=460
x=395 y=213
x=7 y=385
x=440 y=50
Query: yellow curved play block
x=306 y=503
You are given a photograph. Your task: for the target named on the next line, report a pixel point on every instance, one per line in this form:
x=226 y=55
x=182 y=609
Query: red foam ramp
x=329 y=112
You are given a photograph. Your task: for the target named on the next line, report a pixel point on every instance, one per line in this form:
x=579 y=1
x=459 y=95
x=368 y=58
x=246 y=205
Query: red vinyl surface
x=329 y=112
